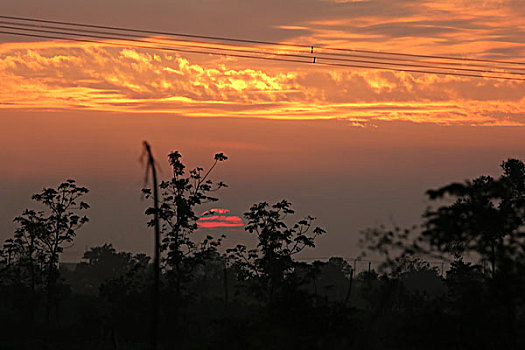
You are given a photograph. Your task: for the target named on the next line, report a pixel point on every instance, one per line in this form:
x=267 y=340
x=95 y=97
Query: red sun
x=218 y=217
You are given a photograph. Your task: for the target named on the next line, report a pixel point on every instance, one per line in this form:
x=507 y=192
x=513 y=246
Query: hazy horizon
x=350 y=178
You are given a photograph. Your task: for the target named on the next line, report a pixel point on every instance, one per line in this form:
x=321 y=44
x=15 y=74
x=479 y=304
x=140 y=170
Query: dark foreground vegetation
x=204 y=296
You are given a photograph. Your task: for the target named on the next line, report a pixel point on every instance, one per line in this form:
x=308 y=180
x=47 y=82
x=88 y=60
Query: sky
x=353 y=147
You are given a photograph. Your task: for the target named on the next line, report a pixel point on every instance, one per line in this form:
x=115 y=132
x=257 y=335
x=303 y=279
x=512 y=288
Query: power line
x=261 y=57
x=424 y=72
x=429 y=56
x=462 y=64
x=151 y=47
x=268 y=55
x=133 y=39
x=267 y=50
x=143 y=31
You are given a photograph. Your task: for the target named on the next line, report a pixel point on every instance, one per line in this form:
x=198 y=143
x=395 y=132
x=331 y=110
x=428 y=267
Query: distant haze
x=350 y=178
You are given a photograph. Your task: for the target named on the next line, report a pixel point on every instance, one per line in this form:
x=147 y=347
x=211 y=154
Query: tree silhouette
x=100 y=264
x=60 y=223
x=486 y=217
x=178 y=199
x=482 y=220
x=28 y=254
x=265 y=297
x=27 y=249
x=41 y=236
x=272 y=261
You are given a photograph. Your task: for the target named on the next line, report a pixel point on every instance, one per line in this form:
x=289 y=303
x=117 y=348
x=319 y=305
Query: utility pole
x=156 y=256
x=349 y=290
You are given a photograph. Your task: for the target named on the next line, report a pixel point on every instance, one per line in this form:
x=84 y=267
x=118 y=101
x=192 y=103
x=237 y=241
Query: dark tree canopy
x=486 y=217
x=425 y=287
x=271 y=263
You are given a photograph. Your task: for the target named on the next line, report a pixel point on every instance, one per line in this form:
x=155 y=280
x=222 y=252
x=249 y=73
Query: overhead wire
x=262 y=57
x=149 y=47
x=317 y=54
x=219 y=38
x=244 y=51
x=131 y=37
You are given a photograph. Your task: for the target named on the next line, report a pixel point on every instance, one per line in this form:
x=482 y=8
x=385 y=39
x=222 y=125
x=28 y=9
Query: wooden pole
x=156 y=256
x=349 y=290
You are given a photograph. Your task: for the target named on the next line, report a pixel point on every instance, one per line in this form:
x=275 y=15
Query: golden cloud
x=65 y=76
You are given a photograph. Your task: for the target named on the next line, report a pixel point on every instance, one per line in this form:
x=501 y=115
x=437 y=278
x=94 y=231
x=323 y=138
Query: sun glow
x=217 y=218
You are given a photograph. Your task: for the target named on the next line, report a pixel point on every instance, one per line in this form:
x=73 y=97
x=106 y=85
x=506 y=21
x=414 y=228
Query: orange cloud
x=57 y=75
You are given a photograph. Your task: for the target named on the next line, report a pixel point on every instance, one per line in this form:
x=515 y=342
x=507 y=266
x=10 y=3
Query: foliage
x=41 y=235
x=25 y=254
x=484 y=217
x=62 y=221
x=271 y=264
x=307 y=305
x=487 y=217
x=101 y=264
x=131 y=278
x=178 y=199
x=396 y=247
x=481 y=220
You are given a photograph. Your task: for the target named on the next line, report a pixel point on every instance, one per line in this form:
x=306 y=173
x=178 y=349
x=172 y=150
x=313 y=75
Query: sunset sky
x=353 y=147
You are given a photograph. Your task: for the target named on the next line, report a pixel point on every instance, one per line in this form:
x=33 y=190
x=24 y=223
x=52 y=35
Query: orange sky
x=57 y=75
x=354 y=147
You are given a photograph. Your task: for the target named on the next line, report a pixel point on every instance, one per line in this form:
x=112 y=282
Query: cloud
x=97 y=77
x=80 y=76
